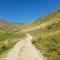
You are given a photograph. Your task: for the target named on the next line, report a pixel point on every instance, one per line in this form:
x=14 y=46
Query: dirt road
x=24 y=50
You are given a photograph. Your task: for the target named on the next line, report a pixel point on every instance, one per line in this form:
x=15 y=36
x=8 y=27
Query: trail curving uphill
x=24 y=50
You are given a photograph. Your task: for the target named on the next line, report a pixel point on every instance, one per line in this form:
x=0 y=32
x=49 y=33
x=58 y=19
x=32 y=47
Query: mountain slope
x=6 y=26
x=53 y=17
x=46 y=34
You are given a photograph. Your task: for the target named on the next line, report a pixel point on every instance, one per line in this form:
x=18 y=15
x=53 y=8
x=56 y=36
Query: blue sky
x=26 y=10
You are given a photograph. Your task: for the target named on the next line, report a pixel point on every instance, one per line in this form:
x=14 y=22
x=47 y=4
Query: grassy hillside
x=9 y=35
x=46 y=34
x=7 y=40
x=47 y=39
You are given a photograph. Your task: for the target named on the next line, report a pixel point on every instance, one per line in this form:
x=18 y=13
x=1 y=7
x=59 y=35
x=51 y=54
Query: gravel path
x=24 y=50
